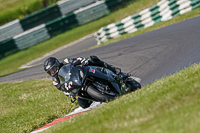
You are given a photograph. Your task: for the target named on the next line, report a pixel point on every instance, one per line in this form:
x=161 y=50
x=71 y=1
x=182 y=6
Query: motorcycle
x=93 y=83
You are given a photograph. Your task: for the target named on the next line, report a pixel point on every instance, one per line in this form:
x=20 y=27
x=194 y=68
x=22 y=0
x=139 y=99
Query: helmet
x=51 y=66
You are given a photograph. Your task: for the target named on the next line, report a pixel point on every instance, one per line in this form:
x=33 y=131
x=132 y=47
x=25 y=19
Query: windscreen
x=69 y=73
x=64 y=72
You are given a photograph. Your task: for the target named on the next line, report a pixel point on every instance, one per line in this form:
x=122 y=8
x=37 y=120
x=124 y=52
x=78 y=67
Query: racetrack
x=149 y=56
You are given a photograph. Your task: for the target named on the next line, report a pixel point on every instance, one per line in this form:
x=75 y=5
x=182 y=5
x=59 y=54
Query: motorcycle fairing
x=69 y=76
x=106 y=74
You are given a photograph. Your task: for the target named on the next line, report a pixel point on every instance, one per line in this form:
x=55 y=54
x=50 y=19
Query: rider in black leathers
x=52 y=66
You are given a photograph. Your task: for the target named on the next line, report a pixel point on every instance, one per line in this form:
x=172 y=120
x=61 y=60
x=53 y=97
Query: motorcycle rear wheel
x=98 y=95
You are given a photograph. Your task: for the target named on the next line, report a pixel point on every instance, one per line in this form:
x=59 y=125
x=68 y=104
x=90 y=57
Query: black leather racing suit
x=93 y=61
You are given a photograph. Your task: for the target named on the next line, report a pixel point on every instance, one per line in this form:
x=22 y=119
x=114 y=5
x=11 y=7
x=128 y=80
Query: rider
x=52 y=66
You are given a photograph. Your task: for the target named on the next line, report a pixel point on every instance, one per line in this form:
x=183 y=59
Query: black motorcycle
x=93 y=83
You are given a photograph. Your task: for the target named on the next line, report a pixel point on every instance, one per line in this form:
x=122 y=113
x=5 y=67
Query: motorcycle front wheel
x=133 y=85
x=98 y=95
x=84 y=103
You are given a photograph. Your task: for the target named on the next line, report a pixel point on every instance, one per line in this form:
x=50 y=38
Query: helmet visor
x=53 y=70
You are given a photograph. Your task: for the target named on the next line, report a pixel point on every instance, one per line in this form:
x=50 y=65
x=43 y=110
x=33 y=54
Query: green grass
x=26 y=106
x=11 y=63
x=16 y=9
x=169 y=105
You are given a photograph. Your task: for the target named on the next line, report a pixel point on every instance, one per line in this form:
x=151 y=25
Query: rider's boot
x=127 y=75
x=136 y=79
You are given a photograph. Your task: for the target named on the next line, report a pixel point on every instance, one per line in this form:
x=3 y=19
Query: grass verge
x=11 y=63
x=169 y=105
x=16 y=9
x=26 y=106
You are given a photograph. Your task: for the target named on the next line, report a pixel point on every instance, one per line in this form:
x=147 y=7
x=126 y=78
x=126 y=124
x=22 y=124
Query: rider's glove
x=66 y=93
x=66 y=61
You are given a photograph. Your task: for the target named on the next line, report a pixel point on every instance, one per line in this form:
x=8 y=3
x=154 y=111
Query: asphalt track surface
x=149 y=56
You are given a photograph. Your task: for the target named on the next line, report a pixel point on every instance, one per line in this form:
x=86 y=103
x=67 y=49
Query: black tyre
x=84 y=103
x=133 y=85
x=98 y=95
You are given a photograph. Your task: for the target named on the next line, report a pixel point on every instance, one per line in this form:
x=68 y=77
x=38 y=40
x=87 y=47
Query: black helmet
x=51 y=66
